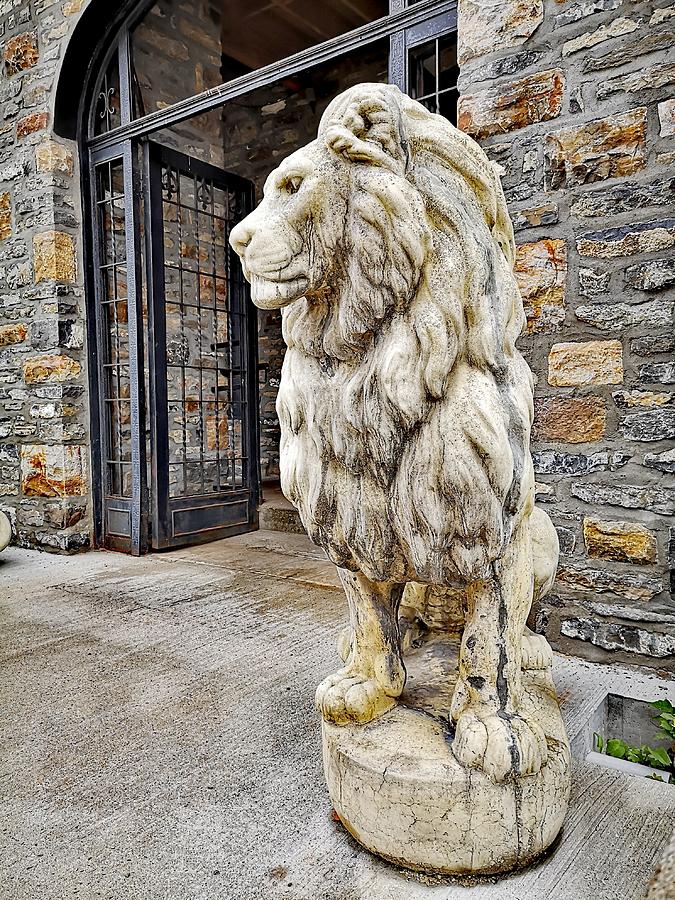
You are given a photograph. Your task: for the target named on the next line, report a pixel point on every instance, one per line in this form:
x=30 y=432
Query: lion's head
x=349 y=222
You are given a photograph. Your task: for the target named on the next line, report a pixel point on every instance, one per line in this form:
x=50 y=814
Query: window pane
x=422 y=70
x=448 y=70
x=182 y=49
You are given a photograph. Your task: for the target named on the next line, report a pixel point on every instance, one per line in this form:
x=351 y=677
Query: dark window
x=432 y=75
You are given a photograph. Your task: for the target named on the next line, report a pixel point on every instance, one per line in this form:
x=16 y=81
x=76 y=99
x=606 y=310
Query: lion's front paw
x=501 y=745
x=346 y=698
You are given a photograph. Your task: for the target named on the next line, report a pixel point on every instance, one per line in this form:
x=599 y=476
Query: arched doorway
x=173 y=126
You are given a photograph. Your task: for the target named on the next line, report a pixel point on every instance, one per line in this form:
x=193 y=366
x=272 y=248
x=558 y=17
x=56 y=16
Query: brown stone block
x=59 y=471
x=5 y=216
x=573 y=364
x=541 y=270
x=30 y=124
x=604 y=148
x=50 y=367
x=534 y=98
x=21 y=52
x=13 y=334
x=54 y=257
x=53 y=157
x=620 y=541
x=485 y=28
x=570 y=420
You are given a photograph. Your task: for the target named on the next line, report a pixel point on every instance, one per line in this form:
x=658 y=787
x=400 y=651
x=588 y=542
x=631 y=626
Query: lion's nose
x=240 y=237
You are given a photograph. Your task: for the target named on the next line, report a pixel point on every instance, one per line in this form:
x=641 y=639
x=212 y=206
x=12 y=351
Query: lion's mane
x=405 y=406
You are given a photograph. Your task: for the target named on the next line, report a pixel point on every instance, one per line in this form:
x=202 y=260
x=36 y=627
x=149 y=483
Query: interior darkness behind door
x=203 y=393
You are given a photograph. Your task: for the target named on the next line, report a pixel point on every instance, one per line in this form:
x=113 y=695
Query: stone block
x=573 y=364
x=535 y=216
x=664 y=462
x=604 y=148
x=615 y=637
x=649 y=43
x=624 y=197
x=64 y=513
x=592 y=283
x=509 y=65
x=5 y=215
x=72 y=7
x=485 y=28
x=553 y=462
x=619 y=541
x=632 y=399
x=541 y=273
x=659 y=373
x=13 y=334
x=645 y=79
x=54 y=158
x=621 y=316
x=653 y=345
x=526 y=101
x=20 y=53
x=584 y=8
x=632 y=586
x=667 y=117
x=630 y=496
x=650 y=425
x=614 y=28
x=54 y=257
x=30 y=124
x=50 y=367
x=651 y=276
x=59 y=471
x=569 y=420
x=626 y=240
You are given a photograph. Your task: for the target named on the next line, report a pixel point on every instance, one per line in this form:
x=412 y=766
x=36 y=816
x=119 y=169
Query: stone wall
x=44 y=419
x=44 y=425
x=573 y=100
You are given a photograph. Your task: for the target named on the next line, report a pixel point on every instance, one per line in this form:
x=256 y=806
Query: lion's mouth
x=273 y=294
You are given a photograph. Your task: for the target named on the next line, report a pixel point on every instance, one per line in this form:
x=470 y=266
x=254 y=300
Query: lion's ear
x=367 y=127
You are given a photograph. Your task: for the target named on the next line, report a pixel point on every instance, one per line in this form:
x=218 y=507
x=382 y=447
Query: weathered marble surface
x=402 y=794
x=5 y=531
x=405 y=410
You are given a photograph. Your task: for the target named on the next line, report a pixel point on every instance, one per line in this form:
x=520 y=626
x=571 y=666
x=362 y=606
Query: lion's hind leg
x=373 y=675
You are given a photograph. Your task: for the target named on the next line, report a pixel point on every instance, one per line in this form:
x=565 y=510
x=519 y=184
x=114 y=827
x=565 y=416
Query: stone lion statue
x=405 y=407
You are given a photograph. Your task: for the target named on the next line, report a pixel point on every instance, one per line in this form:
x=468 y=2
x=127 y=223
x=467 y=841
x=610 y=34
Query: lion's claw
x=500 y=745
x=346 y=698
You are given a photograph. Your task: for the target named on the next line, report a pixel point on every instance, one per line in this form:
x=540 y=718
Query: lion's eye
x=292 y=184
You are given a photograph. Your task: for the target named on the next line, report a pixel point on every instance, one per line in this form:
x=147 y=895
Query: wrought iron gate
x=188 y=470
x=203 y=402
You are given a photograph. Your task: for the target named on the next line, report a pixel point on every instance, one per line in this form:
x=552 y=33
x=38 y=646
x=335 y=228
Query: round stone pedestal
x=399 y=790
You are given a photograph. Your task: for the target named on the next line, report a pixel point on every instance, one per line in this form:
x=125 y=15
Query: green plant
x=657 y=757
x=665 y=719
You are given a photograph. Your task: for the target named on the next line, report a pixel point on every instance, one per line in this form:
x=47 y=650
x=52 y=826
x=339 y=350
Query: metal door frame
x=163 y=506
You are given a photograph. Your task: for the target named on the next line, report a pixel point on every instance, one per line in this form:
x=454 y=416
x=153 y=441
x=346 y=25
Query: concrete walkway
x=159 y=740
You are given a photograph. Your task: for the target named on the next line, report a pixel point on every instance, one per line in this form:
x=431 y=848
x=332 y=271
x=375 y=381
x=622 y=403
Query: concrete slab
x=159 y=740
